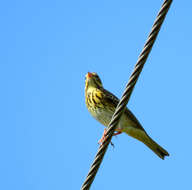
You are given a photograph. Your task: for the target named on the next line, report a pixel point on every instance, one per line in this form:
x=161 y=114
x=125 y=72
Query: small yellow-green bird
x=101 y=104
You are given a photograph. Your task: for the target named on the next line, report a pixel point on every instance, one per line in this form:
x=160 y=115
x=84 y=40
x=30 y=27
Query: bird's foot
x=103 y=138
x=117 y=133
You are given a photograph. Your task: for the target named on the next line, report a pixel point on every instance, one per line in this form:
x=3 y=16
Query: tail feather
x=157 y=149
x=142 y=136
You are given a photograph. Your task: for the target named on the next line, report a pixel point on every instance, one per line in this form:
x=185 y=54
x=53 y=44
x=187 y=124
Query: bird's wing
x=110 y=98
x=113 y=100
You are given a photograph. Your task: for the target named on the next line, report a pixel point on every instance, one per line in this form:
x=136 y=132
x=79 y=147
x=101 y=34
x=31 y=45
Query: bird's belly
x=104 y=117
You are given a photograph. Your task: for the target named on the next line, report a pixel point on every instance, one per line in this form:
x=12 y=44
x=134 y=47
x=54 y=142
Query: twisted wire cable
x=127 y=93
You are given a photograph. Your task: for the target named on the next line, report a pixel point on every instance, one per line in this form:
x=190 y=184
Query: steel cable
x=127 y=93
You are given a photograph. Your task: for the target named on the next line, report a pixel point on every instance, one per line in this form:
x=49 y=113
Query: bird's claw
x=103 y=139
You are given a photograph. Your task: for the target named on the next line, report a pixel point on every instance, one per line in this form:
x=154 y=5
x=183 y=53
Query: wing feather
x=113 y=100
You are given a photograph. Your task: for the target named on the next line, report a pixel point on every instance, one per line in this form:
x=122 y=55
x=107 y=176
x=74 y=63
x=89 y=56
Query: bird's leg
x=103 y=138
x=117 y=133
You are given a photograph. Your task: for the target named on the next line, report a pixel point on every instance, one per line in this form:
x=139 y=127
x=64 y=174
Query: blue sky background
x=48 y=139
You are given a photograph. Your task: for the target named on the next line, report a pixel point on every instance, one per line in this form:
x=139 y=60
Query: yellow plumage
x=101 y=104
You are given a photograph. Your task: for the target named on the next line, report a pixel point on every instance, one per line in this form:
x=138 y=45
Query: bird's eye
x=97 y=77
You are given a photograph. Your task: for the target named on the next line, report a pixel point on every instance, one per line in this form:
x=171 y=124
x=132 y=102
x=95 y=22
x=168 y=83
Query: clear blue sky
x=48 y=139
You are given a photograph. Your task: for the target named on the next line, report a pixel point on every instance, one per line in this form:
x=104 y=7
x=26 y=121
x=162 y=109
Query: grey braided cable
x=127 y=93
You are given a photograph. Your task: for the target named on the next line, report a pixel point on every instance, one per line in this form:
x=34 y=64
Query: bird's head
x=92 y=80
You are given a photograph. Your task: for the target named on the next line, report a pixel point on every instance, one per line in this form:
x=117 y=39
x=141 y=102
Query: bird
x=101 y=104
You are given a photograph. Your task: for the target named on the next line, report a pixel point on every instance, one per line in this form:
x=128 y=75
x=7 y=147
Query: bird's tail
x=157 y=149
x=143 y=137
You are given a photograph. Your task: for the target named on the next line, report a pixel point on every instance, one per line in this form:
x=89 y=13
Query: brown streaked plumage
x=101 y=104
